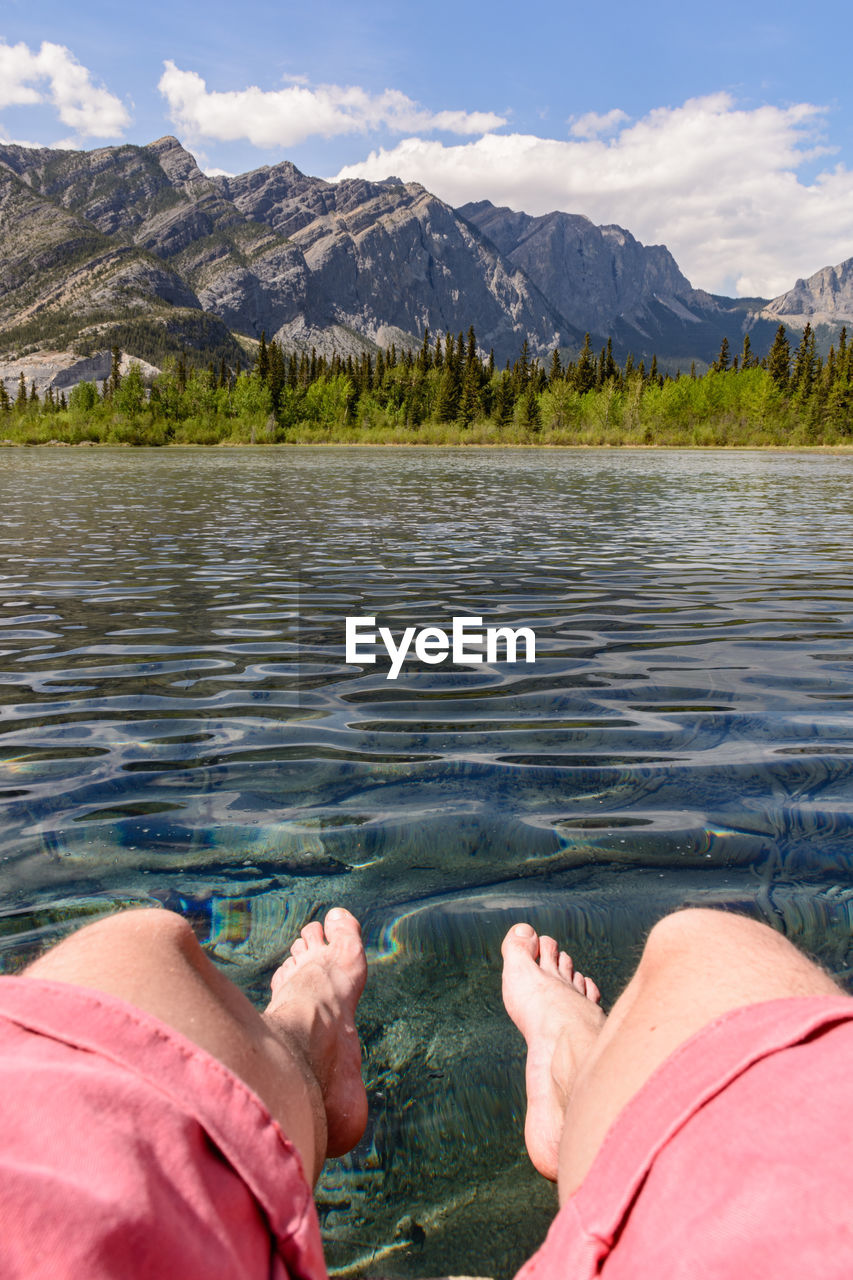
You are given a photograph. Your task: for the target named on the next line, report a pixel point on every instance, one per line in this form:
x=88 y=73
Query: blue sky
x=722 y=131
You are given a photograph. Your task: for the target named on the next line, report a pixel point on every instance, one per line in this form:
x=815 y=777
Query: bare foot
x=553 y=1007
x=314 y=996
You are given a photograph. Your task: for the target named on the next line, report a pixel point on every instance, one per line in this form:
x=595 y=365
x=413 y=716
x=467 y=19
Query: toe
x=566 y=967
x=592 y=991
x=341 y=925
x=521 y=940
x=579 y=983
x=548 y=954
x=298 y=946
x=313 y=935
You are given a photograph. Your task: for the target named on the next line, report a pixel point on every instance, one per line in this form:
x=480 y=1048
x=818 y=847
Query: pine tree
x=21 y=397
x=584 y=377
x=529 y=412
x=276 y=373
x=471 y=382
x=723 y=360
x=449 y=393
x=504 y=405
x=425 y=355
x=805 y=364
x=522 y=367
x=611 y=368
x=262 y=363
x=747 y=359
x=779 y=359
x=115 y=371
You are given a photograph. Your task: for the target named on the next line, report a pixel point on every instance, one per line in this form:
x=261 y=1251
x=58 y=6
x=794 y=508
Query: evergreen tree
x=21 y=397
x=723 y=360
x=449 y=393
x=805 y=364
x=504 y=401
x=276 y=378
x=471 y=381
x=584 y=376
x=528 y=409
x=522 y=368
x=425 y=355
x=115 y=371
x=262 y=362
x=779 y=359
x=611 y=369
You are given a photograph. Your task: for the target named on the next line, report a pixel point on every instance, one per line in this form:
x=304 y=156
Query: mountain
x=824 y=300
x=606 y=282
x=135 y=246
x=138 y=241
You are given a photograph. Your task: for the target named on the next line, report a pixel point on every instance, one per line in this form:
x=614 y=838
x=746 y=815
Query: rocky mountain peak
x=178 y=164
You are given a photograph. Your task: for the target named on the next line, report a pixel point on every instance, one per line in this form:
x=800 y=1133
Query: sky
x=723 y=131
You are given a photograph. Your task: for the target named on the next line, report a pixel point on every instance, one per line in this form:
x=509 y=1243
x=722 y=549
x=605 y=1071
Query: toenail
x=524 y=930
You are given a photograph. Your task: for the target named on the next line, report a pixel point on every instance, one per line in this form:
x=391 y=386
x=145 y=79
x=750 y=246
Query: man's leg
x=301 y=1056
x=696 y=965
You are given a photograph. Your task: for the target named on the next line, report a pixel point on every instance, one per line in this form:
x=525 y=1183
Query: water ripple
x=179 y=727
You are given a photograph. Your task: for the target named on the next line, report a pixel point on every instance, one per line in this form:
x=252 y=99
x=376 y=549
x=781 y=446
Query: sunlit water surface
x=180 y=727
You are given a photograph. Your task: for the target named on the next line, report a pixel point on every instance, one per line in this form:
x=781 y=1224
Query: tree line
x=446 y=390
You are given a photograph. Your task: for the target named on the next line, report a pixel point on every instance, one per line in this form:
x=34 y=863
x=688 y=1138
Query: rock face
x=126 y=230
x=826 y=298
x=606 y=282
x=137 y=245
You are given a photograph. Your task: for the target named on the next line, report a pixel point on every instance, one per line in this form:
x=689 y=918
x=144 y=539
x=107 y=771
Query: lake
x=180 y=727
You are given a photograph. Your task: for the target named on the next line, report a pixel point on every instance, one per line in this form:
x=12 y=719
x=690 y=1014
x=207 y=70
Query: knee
x=695 y=931
x=147 y=929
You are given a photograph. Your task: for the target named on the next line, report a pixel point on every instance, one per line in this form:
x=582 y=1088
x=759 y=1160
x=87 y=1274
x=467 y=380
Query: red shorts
x=734 y=1161
x=126 y=1151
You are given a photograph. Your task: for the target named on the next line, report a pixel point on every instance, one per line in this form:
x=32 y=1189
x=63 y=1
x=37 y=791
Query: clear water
x=179 y=726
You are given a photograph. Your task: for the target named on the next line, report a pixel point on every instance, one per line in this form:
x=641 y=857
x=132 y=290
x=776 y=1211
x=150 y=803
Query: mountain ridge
x=138 y=240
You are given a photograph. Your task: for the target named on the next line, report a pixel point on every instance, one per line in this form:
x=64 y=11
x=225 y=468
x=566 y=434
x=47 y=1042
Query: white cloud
x=593 y=125
x=54 y=75
x=286 y=117
x=718 y=184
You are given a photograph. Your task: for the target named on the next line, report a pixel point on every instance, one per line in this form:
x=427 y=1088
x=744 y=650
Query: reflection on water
x=180 y=727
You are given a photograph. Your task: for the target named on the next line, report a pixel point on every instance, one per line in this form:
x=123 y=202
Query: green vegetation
x=445 y=393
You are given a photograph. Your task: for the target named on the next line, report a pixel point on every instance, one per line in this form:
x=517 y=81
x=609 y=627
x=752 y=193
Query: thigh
x=696 y=965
